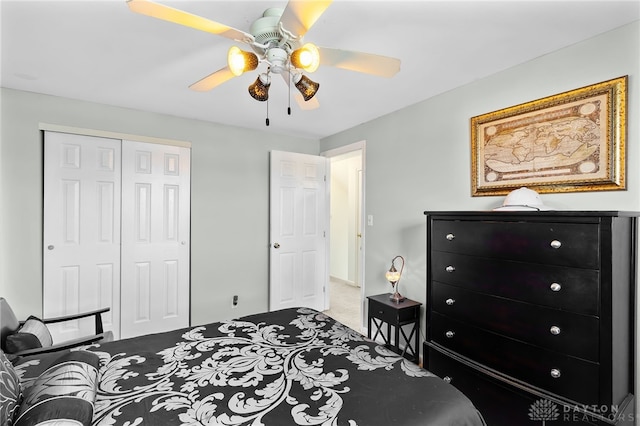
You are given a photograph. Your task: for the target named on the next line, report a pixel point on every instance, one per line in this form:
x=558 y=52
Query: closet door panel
x=155 y=232
x=81 y=231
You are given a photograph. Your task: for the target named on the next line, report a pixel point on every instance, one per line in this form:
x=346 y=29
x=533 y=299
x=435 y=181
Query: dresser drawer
x=567 y=244
x=560 y=331
x=561 y=287
x=563 y=375
x=499 y=403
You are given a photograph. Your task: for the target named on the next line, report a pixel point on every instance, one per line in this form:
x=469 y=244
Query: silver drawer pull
x=450 y=237
x=450 y=334
x=447 y=379
x=555 y=373
x=450 y=268
x=555 y=287
x=555 y=330
x=555 y=244
x=450 y=301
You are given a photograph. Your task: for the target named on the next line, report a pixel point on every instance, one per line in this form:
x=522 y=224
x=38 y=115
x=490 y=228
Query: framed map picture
x=573 y=141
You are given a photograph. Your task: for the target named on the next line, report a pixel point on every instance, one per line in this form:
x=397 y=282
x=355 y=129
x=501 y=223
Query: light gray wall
x=419 y=158
x=229 y=199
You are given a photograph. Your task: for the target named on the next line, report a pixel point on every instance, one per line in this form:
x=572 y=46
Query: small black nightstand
x=384 y=310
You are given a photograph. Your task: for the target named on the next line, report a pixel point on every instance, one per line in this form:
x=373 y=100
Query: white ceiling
x=100 y=51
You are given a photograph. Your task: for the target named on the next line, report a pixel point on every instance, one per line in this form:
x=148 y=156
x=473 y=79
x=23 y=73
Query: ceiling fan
x=277 y=39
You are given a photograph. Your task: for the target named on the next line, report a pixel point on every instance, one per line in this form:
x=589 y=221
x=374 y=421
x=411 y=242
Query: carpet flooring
x=345 y=305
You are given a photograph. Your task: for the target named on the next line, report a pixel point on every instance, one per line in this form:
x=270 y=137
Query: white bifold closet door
x=81 y=255
x=155 y=238
x=116 y=234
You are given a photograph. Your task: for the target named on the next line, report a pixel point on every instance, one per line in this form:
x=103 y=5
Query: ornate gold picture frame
x=570 y=142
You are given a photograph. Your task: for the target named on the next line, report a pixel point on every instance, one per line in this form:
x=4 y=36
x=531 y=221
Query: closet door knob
x=447 y=379
x=276 y=245
x=450 y=301
x=450 y=237
x=450 y=334
x=555 y=330
x=555 y=244
x=555 y=287
x=555 y=373
x=450 y=268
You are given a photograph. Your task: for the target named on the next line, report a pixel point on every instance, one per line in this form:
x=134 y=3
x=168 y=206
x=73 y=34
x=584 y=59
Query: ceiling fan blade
x=213 y=80
x=300 y=15
x=312 y=103
x=382 y=66
x=166 y=13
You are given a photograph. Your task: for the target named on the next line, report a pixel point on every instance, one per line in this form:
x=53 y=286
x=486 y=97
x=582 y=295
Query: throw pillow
x=10 y=391
x=65 y=391
x=33 y=334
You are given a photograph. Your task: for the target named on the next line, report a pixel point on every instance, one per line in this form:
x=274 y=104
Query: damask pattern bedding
x=288 y=367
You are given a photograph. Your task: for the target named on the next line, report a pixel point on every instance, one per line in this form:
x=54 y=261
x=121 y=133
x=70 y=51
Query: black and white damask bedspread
x=289 y=367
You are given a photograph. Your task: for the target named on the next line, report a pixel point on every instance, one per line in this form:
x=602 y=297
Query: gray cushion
x=8 y=321
x=33 y=334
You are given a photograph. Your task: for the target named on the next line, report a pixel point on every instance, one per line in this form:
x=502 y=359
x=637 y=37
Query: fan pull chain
x=267 y=121
x=289 y=106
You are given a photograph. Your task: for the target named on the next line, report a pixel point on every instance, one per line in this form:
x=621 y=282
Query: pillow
x=33 y=334
x=65 y=391
x=10 y=391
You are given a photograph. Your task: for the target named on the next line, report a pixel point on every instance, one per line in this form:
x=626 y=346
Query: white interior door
x=81 y=258
x=155 y=238
x=298 y=208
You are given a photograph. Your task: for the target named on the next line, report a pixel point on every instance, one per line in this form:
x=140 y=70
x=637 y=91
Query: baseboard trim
x=342 y=281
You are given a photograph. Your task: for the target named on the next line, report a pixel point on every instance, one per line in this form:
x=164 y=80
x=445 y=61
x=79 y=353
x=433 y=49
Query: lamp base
x=397 y=297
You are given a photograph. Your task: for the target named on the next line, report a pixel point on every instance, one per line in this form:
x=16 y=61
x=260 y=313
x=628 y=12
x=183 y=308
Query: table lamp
x=393 y=276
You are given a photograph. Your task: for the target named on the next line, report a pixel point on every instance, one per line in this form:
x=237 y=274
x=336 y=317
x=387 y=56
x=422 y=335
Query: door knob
x=276 y=245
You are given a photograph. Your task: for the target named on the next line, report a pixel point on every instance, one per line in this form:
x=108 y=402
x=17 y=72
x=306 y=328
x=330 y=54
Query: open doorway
x=346 y=253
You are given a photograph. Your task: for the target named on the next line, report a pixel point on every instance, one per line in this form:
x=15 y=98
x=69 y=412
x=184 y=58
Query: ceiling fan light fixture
x=259 y=89
x=306 y=58
x=240 y=61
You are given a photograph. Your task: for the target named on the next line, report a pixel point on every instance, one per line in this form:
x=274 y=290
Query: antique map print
x=563 y=143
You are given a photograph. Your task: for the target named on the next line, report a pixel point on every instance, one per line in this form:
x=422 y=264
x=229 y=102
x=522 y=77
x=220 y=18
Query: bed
x=287 y=367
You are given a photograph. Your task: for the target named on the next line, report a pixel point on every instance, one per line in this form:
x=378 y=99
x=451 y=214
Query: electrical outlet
x=234 y=301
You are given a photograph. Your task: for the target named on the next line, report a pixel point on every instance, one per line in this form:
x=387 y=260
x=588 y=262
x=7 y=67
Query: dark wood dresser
x=531 y=314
